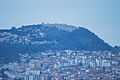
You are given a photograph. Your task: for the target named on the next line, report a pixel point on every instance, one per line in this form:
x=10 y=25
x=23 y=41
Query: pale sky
x=100 y=16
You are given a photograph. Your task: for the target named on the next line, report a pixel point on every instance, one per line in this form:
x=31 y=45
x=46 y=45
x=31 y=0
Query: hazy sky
x=100 y=16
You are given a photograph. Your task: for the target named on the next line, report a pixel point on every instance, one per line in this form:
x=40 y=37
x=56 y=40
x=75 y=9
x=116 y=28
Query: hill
x=41 y=37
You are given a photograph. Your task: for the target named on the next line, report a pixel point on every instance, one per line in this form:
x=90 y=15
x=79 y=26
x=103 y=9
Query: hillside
x=41 y=37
